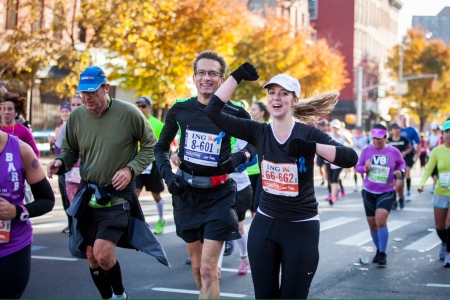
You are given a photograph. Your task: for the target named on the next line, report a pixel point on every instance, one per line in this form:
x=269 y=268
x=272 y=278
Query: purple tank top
x=12 y=188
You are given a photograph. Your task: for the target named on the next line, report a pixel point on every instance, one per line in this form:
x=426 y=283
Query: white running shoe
x=442 y=251
x=447 y=260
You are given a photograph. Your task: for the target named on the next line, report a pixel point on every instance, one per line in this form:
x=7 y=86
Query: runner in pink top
x=379 y=162
x=15 y=105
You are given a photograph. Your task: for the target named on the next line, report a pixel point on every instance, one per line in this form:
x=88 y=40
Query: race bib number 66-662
x=279 y=179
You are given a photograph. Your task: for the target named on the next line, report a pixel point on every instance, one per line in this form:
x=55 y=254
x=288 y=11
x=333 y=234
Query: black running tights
x=14 y=273
x=292 y=245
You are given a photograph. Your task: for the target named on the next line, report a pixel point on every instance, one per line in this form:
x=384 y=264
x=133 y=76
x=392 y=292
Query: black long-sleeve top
x=303 y=205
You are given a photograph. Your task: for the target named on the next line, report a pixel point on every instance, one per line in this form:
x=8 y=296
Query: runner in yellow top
x=440 y=157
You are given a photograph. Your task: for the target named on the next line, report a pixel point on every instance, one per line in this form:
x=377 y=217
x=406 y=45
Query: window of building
x=38 y=13
x=11 y=13
x=312 y=6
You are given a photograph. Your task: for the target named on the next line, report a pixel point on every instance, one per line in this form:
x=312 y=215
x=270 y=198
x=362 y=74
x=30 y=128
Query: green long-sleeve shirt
x=109 y=142
x=440 y=157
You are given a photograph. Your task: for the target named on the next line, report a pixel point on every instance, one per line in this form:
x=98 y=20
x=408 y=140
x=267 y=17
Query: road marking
x=438 y=285
x=232 y=270
x=426 y=243
x=54 y=258
x=194 y=292
x=364 y=236
x=335 y=222
x=49 y=225
x=418 y=209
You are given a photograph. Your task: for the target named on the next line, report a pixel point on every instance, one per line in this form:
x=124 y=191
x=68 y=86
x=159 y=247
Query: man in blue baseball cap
x=104 y=134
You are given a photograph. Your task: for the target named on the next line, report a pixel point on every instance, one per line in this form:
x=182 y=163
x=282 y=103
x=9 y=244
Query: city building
x=363 y=31
x=436 y=27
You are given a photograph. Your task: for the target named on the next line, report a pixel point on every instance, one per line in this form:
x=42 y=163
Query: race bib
x=444 y=180
x=279 y=179
x=379 y=174
x=5 y=230
x=74 y=175
x=202 y=148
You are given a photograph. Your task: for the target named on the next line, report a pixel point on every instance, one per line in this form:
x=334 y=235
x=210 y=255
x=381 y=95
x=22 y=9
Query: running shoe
x=401 y=202
x=376 y=257
x=322 y=183
x=447 y=260
x=328 y=198
x=356 y=189
x=395 y=205
x=66 y=230
x=159 y=229
x=342 y=193
x=123 y=296
x=408 y=197
x=382 y=259
x=243 y=266
x=188 y=261
x=229 y=248
x=432 y=190
x=442 y=251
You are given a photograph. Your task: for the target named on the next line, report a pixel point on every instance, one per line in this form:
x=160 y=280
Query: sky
x=418 y=8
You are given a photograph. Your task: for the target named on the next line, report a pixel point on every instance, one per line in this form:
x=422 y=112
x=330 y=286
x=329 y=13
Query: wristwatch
x=132 y=171
x=24 y=215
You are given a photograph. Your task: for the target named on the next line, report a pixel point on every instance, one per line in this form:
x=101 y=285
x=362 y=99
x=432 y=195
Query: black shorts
x=435 y=172
x=243 y=202
x=106 y=223
x=320 y=161
x=152 y=182
x=409 y=159
x=333 y=174
x=423 y=159
x=207 y=213
x=374 y=201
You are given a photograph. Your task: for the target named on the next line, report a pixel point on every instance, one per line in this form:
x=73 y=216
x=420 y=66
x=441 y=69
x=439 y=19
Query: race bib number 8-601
x=202 y=148
x=279 y=179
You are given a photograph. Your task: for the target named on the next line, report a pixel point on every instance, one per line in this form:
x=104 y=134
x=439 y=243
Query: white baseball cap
x=335 y=123
x=289 y=83
x=434 y=125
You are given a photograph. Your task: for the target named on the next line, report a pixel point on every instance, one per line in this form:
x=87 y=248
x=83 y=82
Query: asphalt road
x=413 y=269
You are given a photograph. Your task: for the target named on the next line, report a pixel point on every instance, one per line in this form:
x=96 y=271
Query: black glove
x=229 y=163
x=299 y=147
x=246 y=72
x=175 y=184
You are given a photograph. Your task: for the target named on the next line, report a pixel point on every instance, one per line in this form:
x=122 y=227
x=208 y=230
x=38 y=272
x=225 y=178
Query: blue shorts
x=440 y=201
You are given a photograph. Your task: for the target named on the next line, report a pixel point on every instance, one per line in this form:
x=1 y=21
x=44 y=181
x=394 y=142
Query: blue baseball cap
x=91 y=79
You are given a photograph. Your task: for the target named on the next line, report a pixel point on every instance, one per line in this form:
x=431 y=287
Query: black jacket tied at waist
x=138 y=236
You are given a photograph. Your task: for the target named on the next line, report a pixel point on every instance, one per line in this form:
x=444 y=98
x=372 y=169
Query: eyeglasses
x=141 y=106
x=89 y=94
x=212 y=74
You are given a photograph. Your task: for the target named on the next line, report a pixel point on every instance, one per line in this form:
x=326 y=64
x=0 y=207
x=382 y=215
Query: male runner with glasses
x=203 y=195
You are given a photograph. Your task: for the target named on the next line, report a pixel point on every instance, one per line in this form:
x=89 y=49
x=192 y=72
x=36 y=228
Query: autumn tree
x=426 y=98
x=272 y=46
x=159 y=46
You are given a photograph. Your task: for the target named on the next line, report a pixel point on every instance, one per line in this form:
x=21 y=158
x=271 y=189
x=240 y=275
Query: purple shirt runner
x=380 y=178
x=13 y=190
